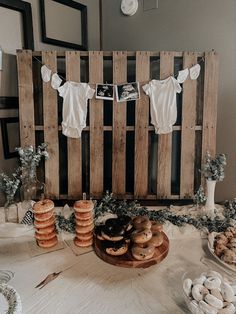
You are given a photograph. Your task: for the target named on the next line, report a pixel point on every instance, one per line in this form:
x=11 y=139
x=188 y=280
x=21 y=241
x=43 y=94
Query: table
x=89 y=285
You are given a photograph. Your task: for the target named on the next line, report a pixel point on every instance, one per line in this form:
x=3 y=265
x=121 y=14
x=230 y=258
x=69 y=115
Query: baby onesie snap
x=46 y=73
x=162 y=95
x=75 y=97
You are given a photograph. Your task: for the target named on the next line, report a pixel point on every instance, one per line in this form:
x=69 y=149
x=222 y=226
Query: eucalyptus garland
x=109 y=205
x=65 y=224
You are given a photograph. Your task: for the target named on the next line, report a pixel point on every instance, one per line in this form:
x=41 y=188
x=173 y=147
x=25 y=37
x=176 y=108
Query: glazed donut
x=115 y=248
x=213 y=273
x=84 y=229
x=125 y=221
x=221 y=239
x=48 y=243
x=229 y=308
x=232 y=230
x=84 y=216
x=48 y=236
x=219 y=249
x=156 y=226
x=229 y=235
x=141 y=235
x=84 y=223
x=142 y=251
x=46 y=230
x=187 y=286
x=97 y=232
x=156 y=239
x=227 y=292
x=44 y=224
x=217 y=294
x=83 y=206
x=229 y=256
x=112 y=231
x=85 y=236
x=44 y=216
x=200 y=280
x=83 y=243
x=212 y=283
x=213 y=301
x=199 y=292
x=207 y=309
x=141 y=222
x=43 y=206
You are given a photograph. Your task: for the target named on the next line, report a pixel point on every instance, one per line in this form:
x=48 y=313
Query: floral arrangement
x=213 y=169
x=29 y=160
x=9 y=185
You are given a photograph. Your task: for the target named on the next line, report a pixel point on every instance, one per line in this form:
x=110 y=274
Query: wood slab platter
x=127 y=259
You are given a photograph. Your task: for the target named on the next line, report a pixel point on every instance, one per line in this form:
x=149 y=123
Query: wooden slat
x=110 y=53
x=119 y=127
x=188 y=130
x=50 y=115
x=164 y=140
x=141 y=128
x=26 y=98
x=74 y=150
x=96 y=126
x=210 y=103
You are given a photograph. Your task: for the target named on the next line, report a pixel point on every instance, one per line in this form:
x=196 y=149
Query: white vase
x=210 y=203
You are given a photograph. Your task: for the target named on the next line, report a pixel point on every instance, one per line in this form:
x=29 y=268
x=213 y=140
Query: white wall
x=193 y=26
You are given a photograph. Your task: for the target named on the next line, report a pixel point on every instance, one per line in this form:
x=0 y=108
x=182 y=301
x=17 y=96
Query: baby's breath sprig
x=213 y=168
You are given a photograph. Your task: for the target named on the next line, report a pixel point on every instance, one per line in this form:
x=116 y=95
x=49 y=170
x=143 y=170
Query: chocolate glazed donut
x=115 y=248
x=112 y=231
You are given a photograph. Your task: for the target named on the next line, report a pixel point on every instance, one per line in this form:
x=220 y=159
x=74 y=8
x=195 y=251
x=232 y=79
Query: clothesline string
x=202 y=60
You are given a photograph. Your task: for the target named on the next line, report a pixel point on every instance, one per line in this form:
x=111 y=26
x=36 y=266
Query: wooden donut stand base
x=127 y=259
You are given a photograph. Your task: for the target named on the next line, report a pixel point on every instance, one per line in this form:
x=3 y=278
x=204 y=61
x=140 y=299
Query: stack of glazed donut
x=44 y=222
x=115 y=235
x=210 y=293
x=146 y=237
x=84 y=223
x=140 y=234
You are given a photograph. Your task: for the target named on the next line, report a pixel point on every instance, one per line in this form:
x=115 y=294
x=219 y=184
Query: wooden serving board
x=127 y=259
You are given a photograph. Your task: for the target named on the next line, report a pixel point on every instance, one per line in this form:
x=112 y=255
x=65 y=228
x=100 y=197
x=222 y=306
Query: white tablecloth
x=93 y=286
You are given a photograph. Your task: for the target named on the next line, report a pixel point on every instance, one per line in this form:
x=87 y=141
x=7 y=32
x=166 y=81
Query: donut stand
x=84 y=223
x=131 y=243
x=127 y=260
x=44 y=222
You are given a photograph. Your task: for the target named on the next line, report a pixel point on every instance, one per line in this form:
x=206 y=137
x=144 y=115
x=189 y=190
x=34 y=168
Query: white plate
x=210 y=245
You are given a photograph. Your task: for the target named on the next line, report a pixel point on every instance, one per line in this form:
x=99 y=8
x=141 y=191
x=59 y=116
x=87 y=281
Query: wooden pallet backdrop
x=143 y=168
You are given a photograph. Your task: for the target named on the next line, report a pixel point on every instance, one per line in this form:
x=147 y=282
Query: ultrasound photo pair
x=124 y=92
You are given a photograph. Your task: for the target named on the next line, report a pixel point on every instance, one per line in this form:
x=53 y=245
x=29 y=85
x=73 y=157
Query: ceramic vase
x=210 y=203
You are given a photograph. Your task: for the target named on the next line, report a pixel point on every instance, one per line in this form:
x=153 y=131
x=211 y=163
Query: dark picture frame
x=9 y=102
x=84 y=28
x=25 y=9
x=6 y=139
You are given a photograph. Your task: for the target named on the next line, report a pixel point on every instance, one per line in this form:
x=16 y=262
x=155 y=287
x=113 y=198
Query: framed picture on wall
x=10 y=136
x=127 y=92
x=22 y=21
x=64 y=23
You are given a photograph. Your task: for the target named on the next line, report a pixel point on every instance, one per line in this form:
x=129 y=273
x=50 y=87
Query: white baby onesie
x=74 y=113
x=162 y=95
